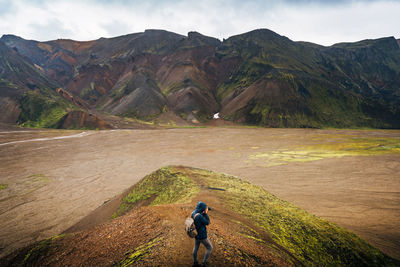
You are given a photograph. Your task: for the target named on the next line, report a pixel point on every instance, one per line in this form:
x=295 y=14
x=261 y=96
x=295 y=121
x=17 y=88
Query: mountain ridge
x=258 y=77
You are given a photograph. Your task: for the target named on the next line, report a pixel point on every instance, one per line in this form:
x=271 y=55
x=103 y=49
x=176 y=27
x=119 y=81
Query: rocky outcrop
x=81 y=119
x=71 y=98
x=9 y=110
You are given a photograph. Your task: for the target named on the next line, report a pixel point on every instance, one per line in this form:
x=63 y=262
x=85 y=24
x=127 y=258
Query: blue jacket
x=201 y=220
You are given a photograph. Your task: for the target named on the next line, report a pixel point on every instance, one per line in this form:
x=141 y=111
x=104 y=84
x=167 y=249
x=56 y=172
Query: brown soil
x=78 y=119
x=53 y=184
x=220 y=122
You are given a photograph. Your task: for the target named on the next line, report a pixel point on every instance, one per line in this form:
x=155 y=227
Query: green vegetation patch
x=263 y=110
x=246 y=74
x=139 y=252
x=48 y=119
x=40 y=111
x=249 y=232
x=38 y=178
x=331 y=148
x=312 y=240
x=175 y=87
x=88 y=90
x=3 y=186
x=361 y=146
x=164 y=186
x=39 y=250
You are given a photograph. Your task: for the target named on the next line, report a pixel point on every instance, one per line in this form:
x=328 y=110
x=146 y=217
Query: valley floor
x=349 y=177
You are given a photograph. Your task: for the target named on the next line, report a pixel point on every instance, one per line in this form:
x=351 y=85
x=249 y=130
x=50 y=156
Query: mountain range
x=257 y=78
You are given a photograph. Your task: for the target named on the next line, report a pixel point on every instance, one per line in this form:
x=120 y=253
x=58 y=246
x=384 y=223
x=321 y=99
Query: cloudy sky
x=323 y=22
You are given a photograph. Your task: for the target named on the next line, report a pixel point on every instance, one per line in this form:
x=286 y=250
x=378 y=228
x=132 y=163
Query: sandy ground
x=52 y=184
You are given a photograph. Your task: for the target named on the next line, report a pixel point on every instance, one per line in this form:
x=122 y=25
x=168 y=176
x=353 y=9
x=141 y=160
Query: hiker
x=201 y=220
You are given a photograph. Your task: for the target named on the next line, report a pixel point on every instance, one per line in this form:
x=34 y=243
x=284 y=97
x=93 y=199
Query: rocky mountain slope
x=21 y=80
x=258 y=77
x=249 y=227
x=29 y=98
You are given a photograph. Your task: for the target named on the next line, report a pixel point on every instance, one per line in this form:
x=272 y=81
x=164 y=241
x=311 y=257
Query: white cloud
x=348 y=22
x=313 y=21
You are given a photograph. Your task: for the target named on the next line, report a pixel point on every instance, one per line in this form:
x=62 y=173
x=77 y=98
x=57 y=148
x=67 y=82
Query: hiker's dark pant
x=208 y=246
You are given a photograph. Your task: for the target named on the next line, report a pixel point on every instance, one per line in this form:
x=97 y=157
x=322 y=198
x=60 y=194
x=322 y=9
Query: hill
x=29 y=98
x=249 y=226
x=259 y=77
x=282 y=83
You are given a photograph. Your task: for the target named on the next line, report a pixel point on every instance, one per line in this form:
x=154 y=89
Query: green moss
x=137 y=115
x=88 y=90
x=124 y=89
x=129 y=119
x=7 y=83
x=9 y=66
x=48 y=119
x=166 y=185
x=289 y=78
x=249 y=232
x=361 y=145
x=139 y=252
x=314 y=241
x=263 y=111
x=38 y=178
x=246 y=74
x=331 y=147
x=41 y=111
x=3 y=186
x=253 y=237
x=171 y=88
x=39 y=250
x=157 y=48
x=174 y=87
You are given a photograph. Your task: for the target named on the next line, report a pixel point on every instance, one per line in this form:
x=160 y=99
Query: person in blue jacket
x=201 y=220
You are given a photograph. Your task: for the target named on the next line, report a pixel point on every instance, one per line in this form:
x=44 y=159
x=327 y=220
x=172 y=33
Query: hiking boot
x=196 y=264
x=205 y=264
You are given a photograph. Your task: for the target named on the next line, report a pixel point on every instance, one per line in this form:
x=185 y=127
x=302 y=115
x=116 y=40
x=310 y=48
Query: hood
x=201 y=206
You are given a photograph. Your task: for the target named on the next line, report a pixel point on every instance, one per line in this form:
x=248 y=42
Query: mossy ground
x=39 y=250
x=163 y=186
x=327 y=146
x=3 y=186
x=38 y=178
x=139 y=252
x=26 y=185
x=313 y=240
x=39 y=111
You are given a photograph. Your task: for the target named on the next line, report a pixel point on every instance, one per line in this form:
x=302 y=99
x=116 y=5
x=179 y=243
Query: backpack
x=190 y=228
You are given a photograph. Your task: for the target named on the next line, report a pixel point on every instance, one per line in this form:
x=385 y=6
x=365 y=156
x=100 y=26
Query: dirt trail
x=51 y=185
